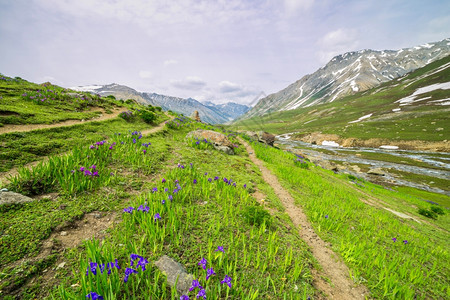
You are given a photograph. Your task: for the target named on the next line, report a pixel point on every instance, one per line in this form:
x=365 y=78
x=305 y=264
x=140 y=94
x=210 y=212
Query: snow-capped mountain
x=209 y=113
x=350 y=73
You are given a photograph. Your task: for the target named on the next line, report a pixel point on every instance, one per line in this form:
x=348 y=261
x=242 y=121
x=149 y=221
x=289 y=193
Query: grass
x=362 y=234
x=263 y=258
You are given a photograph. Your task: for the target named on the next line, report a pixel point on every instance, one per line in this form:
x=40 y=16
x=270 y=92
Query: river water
x=435 y=160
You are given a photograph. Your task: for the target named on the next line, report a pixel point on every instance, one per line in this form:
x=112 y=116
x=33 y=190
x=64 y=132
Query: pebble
x=61 y=265
x=63 y=233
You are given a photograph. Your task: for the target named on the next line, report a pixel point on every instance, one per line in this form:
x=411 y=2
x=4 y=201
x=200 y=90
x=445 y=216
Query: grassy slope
x=275 y=259
x=362 y=234
x=334 y=117
x=17 y=149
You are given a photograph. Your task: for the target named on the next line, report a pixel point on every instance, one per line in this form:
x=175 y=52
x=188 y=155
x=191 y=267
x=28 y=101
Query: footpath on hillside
x=13 y=172
x=31 y=127
x=341 y=286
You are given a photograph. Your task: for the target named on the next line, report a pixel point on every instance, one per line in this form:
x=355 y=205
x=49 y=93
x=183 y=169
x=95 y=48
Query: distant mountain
x=350 y=73
x=209 y=113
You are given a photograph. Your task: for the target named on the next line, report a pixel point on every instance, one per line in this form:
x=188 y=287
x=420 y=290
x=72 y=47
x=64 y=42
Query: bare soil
x=341 y=286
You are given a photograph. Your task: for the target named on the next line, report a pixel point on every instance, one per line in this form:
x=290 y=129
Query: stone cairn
x=196 y=116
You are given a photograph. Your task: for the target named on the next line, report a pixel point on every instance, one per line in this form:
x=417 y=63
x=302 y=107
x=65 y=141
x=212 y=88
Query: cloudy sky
x=217 y=50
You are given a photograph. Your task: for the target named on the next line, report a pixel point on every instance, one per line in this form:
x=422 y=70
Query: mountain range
x=348 y=74
x=208 y=111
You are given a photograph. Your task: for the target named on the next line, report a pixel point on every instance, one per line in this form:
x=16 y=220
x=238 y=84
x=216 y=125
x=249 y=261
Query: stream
x=439 y=162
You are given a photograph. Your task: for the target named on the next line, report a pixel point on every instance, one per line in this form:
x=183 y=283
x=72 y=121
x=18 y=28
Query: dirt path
x=30 y=127
x=341 y=287
x=13 y=172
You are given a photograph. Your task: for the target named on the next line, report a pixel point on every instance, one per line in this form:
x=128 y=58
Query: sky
x=209 y=50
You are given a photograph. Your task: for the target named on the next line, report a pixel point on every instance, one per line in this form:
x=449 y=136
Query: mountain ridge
x=350 y=73
x=209 y=113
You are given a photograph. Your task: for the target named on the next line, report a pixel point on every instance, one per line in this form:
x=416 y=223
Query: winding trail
x=31 y=127
x=13 y=172
x=341 y=287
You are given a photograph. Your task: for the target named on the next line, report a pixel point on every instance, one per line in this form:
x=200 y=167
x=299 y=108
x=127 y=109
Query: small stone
x=175 y=273
x=63 y=233
x=61 y=265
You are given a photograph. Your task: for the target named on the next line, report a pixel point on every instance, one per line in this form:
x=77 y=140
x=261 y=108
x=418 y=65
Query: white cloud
x=145 y=74
x=229 y=87
x=337 y=42
x=194 y=83
x=170 y=62
x=293 y=6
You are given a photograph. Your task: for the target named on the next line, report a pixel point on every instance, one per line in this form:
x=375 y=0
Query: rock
x=63 y=233
x=9 y=198
x=376 y=171
x=175 y=273
x=61 y=265
x=265 y=137
x=196 y=116
x=219 y=140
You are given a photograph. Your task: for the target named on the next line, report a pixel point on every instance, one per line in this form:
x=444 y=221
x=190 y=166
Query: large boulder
x=219 y=140
x=175 y=273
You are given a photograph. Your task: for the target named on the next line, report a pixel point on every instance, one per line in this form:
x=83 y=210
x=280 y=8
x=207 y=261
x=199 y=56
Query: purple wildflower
x=128 y=272
x=157 y=217
x=405 y=242
x=220 y=248
x=184 y=297
x=210 y=179
x=227 y=281
x=216 y=178
x=128 y=209
x=394 y=239
x=195 y=181
x=206 y=173
x=326 y=216
x=93 y=167
x=163 y=201
x=94 y=296
x=203 y=263
x=154 y=190
x=163 y=180
x=145 y=151
x=82 y=169
x=195 y=284
x=201 y=294
x=134 y=141
x=73 y=171
x=141 y=263
x=170 y=197
x=93 y=268
x=210 y=272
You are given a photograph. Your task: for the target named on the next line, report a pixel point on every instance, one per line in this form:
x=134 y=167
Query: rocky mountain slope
x=350 y=73
x=208 y=111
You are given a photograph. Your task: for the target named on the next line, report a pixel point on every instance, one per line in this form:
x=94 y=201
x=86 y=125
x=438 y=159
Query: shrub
x=256 y=215
x=148 y=116
x=437 y=210
x=128 y=116
x=427 y=213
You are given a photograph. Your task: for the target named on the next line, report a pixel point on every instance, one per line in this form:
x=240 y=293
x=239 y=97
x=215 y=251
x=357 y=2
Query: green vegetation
x=415 y=122
x=395 y=258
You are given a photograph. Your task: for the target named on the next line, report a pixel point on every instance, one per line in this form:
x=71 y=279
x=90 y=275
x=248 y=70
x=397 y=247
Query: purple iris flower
x=128 y=272
x=195 y=181
x=210 y=179
x=157 y=217
x=210 y=272
x=184 y=297
x=216 y=178
x=94 y=296
x=203 y=263
x=195 y=284
x=220 y=248
x=163 y=180
x=154 y=190
x=128 y=209
x=394 y=239
x=170 y=197
x=227 y=281
x=201 y=294
x=141 y=263
x=405 y=242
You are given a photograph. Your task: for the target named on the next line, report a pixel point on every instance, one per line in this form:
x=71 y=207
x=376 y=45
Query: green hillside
x=111 y=197
x=423 y=120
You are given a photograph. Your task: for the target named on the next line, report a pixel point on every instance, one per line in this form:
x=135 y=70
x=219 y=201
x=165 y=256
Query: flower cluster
x=209 y=273
x=93 y=267
x=97 y=144
x=404 y=241
x=92 y=172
